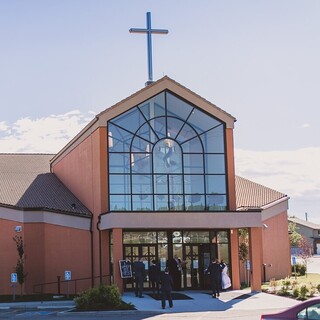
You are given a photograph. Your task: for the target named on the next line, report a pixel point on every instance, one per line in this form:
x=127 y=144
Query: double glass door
x=195 y=258
x=133 y=252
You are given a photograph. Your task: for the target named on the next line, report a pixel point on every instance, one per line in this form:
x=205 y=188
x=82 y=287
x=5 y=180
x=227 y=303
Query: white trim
x=194 y=220
x=55 y=218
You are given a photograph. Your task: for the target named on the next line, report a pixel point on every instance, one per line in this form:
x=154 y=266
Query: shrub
x=273 y=285
x=300 y=269
x=303 y=292
x=99 y=298
x=284 y=291
x=312 y=290
x=296 y=292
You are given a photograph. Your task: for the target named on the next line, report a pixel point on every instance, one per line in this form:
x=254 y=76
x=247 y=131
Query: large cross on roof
x=149 y=31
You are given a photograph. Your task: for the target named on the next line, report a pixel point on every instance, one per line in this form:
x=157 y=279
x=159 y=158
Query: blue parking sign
x=294 y=261
x=14 y=278
x=67 y=275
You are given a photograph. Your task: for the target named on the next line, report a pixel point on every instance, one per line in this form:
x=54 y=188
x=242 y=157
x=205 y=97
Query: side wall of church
x=49 y=251
x=9 y=254
x=84 y=171
x=275 y=236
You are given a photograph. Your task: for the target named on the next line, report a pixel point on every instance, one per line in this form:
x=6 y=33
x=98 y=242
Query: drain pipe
x=100 y=251
x=92 y=258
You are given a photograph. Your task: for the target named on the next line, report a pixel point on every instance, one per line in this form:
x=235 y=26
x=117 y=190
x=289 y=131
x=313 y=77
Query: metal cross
x=149 y=31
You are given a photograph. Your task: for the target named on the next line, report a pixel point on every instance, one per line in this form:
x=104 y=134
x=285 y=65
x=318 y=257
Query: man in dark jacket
x=166 y=288
x=154 y=276
x=139 y=274
x=214 y=271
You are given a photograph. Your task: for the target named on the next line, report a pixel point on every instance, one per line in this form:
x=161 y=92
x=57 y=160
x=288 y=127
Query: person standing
x=225 y=279
x=214 y=271
x=139 y=274
x=166 y=282
x=154 y=274
x=175 y=268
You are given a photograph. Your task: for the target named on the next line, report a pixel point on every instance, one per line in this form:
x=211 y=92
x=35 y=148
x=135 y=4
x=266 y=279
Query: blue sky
x=62 y=61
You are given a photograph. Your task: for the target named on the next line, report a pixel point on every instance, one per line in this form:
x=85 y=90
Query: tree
x=244 y=245
x=19 y=269
x=294 y=236
x=305 y=251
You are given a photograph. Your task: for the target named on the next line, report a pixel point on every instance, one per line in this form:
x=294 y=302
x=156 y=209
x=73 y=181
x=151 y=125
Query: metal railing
x=73 y=286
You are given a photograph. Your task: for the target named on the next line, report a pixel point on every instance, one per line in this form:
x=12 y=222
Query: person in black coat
x=166 y=288
x=175 y=268
x=214 y=270
x=154 y=276
x=139 y=274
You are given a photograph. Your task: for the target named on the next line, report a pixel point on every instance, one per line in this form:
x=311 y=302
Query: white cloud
x=293 y=172
x=3 y=126
x=305 y=125
x=42 y=135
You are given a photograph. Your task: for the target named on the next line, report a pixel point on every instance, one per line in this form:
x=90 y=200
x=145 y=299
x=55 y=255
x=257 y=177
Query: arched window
x=166 y=155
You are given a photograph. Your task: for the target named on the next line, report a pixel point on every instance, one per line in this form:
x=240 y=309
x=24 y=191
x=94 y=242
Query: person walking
x=214 y=271
x=166 y=282
x=154 y=277
x=139 y=274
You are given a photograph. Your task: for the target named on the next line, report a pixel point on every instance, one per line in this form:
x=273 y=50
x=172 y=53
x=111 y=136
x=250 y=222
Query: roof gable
x=159 y=86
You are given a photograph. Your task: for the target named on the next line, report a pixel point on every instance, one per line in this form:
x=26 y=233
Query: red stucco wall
x=277 y=262
x=49 y=251
x=83 y=171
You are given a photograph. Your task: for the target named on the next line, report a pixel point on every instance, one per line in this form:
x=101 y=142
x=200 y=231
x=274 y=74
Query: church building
x=152 y=176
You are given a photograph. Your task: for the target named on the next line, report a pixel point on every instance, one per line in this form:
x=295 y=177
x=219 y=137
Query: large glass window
x=167 y=155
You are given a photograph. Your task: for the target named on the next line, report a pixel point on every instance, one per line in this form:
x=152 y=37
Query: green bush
x=99 y=298
x=300 y=269
x=303 y=292
x=296 y=292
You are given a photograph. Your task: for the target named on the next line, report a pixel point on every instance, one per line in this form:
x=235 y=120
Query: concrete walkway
x=203 y=301
x=237 y=304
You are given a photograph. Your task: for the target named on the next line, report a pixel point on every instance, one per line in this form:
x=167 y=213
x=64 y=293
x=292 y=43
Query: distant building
x=151 y=176
x=311 y=231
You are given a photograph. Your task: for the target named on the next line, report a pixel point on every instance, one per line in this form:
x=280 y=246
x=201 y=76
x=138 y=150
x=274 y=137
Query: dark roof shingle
x=252 y=195
x=26 y=182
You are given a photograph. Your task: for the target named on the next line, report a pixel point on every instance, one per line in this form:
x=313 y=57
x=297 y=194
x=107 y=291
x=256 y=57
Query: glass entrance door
x=147 y=252
x=197 y=258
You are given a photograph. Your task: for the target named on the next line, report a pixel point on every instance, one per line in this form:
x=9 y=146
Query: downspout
x=92 y=258
x=100 y=251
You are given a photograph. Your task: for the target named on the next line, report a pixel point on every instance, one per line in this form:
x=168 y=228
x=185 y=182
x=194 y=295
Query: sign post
x=67 y=277
x=294 y=262
x=14 y=280
x=248 y=267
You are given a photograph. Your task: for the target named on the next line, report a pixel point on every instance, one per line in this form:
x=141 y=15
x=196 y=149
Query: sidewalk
x=230 y=305
x=203 y=301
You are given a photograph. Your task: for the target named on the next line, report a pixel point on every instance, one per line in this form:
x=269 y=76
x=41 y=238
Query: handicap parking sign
x=14 y=278
x=67 y=275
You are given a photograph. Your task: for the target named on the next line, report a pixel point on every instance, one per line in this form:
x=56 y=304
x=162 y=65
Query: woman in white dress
x=225 y=279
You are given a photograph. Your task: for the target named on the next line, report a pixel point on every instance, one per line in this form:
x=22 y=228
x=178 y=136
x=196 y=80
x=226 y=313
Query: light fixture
x=110 y=140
